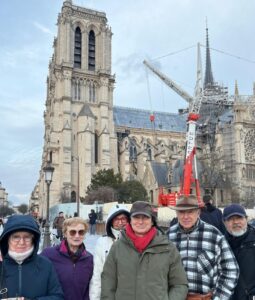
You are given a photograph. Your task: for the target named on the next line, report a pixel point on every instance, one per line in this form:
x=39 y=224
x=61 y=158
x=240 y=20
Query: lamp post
x=78 y=185
x=78 y=189
x=48 y=172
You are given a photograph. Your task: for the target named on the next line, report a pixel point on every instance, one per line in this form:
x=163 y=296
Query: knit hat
x=207 y=198
x=141 y=208
x=233 y=210
x=186 y=203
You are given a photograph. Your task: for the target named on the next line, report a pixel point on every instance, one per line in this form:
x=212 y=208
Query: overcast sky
x=142 y=29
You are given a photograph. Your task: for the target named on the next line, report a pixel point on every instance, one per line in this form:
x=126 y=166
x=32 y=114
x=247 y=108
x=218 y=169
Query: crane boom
x=169 y=82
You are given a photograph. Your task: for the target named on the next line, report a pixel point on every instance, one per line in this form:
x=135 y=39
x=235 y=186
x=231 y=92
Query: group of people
x=135 y=259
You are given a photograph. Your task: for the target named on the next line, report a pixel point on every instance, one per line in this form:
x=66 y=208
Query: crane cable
x=172 y=53
x=152 y=116
x=214 y=49
x=232 y=55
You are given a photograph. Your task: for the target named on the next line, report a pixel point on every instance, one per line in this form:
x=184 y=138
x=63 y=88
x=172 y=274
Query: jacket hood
x=19 y=223
x=116 y=210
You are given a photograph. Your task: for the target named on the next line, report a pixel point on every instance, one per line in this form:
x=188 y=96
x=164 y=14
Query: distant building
x=3 y=196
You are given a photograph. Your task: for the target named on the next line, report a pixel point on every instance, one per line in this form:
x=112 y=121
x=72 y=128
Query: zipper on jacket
x=20 y=278
x=187 y=250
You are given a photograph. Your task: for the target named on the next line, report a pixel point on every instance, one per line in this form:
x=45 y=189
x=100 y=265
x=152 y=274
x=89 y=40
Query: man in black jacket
x=241 y=238
x=211 y=214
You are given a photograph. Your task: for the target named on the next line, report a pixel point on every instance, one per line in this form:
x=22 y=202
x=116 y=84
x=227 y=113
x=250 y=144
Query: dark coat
x=213 y=215
x=74 y=277
x=36 y=277
x=92 y=218
x=244 y=251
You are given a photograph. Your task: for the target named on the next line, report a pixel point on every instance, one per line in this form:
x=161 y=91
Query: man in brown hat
x=209 y=263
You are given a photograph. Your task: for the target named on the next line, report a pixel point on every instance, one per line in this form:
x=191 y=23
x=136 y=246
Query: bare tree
x=23 y=208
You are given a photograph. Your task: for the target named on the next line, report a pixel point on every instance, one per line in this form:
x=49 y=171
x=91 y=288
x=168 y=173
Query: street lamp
x=48 y=172
x=78 y=185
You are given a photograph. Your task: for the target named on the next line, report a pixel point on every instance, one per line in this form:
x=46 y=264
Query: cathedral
x=85 y=132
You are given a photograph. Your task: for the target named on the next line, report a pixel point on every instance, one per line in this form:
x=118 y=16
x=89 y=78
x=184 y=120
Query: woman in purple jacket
x=74 y=265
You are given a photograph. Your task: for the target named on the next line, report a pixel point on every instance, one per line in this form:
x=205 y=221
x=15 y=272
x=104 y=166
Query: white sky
x=143 y=29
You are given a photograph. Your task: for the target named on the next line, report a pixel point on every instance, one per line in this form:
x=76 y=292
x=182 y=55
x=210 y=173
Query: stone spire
x=236 y=89
x=208 y=67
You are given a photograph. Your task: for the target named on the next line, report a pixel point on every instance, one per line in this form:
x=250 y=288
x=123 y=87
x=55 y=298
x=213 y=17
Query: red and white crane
x=190 y=172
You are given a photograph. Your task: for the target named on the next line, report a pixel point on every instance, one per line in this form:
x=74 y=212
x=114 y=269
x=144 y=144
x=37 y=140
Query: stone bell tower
x=79 y=131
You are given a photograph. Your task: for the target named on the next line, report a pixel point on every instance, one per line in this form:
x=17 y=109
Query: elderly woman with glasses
x=23 y=273
x=73 y=263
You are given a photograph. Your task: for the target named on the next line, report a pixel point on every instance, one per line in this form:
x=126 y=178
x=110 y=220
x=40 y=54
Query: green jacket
x=155 y=274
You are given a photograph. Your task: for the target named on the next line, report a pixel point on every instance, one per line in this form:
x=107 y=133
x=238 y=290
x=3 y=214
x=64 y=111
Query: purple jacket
x=74 y=278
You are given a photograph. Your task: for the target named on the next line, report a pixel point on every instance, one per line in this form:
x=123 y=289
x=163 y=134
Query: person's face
x=119 y=222
x=20 y=241
x=188 y=218
x=61 y=215
x=236 y=225
x=75 y=235
x=141 y=224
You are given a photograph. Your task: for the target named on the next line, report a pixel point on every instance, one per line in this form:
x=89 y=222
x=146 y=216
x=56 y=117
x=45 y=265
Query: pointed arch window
x=149 y=154
x=77 y=48
x=92 y=51
x=92 y=92
x=132 y=153
x=77 y=90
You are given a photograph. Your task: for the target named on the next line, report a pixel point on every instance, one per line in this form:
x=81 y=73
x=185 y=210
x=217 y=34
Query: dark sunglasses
x=73 y=232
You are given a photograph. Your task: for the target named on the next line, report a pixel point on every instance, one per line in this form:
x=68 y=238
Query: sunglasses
x=73 y=232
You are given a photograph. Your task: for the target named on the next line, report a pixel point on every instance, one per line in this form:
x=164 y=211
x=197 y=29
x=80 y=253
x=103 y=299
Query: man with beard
x=241 y=238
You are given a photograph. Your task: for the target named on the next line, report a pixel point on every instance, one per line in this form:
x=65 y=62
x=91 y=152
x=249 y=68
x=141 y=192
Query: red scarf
x=140 y=242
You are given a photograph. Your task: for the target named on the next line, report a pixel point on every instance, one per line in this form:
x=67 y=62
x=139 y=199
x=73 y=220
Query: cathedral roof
x=140 y=118
x=160 y=171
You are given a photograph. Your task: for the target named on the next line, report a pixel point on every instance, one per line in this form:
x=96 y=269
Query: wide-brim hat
x=186 y=203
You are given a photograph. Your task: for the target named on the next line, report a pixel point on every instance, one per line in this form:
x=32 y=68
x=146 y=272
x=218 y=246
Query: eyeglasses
x=73 y=232
x=120 y=219
x=17 y=238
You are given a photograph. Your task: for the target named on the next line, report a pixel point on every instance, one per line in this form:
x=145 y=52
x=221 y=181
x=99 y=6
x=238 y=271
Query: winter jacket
x=154 y=274
x=74 y=277
x=36 y=277
x=102 y=249
x=244 y=251
x=92 y=218
x=213 y=215
x=209 y=263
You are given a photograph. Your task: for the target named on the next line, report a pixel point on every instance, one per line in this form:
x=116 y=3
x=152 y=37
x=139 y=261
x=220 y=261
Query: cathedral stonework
x=85 y=132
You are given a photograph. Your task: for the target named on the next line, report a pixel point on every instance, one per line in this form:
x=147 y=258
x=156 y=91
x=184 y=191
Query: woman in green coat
x=143 y=264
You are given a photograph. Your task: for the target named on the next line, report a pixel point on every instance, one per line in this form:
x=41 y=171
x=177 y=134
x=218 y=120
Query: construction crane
x=190 y=173
x=169 y=82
